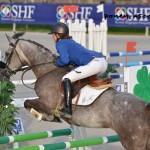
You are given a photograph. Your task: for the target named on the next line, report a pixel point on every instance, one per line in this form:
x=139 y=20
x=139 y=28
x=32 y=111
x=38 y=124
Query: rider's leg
x=98 y=65
x=67 y=111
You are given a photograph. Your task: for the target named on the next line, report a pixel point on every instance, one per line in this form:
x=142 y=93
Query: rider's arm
x=64 y=57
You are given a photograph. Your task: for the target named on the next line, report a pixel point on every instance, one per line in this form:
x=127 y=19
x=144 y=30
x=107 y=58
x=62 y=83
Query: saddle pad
x=87 y=95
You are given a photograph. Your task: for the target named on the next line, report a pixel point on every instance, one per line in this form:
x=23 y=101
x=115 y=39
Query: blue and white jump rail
x=138 y=53
x=116 y=76
x=129 y=64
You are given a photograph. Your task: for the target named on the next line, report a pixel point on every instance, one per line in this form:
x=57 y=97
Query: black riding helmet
x=60 y=27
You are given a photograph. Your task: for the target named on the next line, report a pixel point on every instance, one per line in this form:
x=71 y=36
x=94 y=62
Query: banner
x=128 y=15
x=29 y=13
x=117 y=15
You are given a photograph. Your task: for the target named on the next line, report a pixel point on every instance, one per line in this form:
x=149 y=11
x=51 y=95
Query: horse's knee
x=36 y=104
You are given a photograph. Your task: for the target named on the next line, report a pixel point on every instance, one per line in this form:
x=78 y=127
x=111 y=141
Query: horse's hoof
x=44 y=117
x=57 y=119
x=51 y=118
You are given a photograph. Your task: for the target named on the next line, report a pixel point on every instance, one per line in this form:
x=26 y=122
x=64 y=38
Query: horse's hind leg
x=135 y=146
x=135 y=140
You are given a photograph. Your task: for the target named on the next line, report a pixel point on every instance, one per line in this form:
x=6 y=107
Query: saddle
x=98 y=83
x=92 y=82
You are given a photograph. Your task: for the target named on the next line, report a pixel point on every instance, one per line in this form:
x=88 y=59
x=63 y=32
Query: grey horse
x=125 y=113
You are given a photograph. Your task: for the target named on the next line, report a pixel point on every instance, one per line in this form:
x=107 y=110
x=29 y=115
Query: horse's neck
x=41 y=70
x=38 y=58
x=41 y=67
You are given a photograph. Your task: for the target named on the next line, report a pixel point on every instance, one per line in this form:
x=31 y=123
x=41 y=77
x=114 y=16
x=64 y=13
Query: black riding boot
x=67 y=111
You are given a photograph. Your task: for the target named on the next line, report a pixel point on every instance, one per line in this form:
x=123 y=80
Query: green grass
x=35 y=28
x=46 y=28
x=4 y=27
x=27 y=28
x=126 y=31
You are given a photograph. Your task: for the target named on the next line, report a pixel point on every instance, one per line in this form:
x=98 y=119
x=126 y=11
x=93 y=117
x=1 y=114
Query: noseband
x=10 y=57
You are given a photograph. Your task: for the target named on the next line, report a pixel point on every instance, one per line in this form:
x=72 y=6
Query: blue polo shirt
x=74 y=53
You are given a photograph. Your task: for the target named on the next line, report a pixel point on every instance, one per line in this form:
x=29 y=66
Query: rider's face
x=55 y=37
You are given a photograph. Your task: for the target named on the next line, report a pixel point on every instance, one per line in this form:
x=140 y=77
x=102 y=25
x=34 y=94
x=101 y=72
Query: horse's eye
x=12 y=45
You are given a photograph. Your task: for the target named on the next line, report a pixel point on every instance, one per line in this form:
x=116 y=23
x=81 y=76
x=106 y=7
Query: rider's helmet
x=60 y=28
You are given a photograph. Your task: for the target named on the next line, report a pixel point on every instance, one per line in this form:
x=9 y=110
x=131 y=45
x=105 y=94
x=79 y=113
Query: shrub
x=7 y=109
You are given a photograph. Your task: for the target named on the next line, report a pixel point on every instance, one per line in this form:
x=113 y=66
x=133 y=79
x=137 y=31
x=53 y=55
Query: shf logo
x=73 y=12
x=5 y=10
x=120 y=14
x=17 y=11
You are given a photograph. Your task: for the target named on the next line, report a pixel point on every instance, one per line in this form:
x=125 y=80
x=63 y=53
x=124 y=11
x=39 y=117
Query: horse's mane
x=19 y=34
x=39 y=45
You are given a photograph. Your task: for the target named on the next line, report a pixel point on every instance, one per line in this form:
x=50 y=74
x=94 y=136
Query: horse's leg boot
x=67 y=111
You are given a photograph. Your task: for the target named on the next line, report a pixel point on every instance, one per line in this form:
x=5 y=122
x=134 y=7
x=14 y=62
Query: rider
x=87 y=62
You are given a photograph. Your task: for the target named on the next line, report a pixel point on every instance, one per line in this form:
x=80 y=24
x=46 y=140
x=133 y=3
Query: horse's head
x=23 y=52
x=14 y=56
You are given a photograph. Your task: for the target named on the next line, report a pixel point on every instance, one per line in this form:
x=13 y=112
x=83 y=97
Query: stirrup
x=65 y=113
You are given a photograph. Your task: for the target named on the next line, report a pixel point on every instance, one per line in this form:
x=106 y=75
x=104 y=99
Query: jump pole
x=35 y=136
x=72 y=144
x=116 y=76
x=138 y=53
x=129 y=64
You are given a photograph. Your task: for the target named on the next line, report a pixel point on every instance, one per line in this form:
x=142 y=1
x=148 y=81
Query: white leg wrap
x=36 y=114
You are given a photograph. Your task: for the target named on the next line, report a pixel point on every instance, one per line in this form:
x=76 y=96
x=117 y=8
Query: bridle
x=25 y=69
x=10 y=55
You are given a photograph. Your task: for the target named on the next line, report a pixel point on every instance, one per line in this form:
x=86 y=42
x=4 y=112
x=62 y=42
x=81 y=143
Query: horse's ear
x=17 y=35
x=8 y=38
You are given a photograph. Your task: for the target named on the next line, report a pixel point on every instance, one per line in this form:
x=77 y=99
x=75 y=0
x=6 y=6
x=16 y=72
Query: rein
x=29 y=68
x=13 y=50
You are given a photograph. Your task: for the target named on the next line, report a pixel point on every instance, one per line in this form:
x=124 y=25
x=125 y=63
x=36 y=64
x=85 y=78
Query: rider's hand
x=55 y=60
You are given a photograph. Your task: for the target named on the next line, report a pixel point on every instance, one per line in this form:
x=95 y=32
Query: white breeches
x=96 y=66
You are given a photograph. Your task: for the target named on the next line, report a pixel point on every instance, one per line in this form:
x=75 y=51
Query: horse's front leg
x=34 y=103
x=39 y=110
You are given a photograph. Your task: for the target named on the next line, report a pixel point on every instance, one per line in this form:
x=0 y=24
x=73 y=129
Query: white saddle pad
x=88 y=95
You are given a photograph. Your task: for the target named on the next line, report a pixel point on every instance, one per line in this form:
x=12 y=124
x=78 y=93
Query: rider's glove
x=55 y=60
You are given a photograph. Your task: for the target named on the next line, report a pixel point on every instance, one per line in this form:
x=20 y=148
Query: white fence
x=97 y=36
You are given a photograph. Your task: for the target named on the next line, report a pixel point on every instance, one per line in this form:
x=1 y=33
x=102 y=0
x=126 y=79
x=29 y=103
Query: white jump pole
x=104 y=38
x=90 y=32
